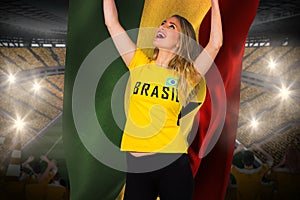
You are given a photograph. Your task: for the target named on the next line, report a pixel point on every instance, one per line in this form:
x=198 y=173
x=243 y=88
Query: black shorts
x=171 y=182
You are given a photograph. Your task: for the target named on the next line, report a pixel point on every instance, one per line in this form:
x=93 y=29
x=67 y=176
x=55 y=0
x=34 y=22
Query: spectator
x=249 y=178
x=286 y=175
x=35 y=174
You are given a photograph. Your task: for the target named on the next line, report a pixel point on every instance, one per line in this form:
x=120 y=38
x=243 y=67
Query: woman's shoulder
x=139 y=58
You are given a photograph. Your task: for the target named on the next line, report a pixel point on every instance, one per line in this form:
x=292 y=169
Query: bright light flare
x=272 y=64
x=36 y=86
x=254 y=123
x=284 y=92
x=11 y=78
x=19 y=124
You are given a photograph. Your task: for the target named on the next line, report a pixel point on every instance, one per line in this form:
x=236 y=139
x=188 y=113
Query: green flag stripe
x=90 y=179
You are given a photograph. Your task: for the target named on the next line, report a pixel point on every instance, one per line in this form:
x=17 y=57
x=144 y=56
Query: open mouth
x=160 y=35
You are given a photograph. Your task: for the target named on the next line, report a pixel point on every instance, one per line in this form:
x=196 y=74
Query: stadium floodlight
x=272 y=64
x=35 y=45
x=254 y=123
x=284 y=92
x=36 y=86
x=47 y=45
x=285 y=43
x=11 y=78
x=60 y=45
x=19 y=123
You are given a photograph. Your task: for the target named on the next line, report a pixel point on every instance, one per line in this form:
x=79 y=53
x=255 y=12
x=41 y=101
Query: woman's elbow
x=217 y=44
x=108 y=23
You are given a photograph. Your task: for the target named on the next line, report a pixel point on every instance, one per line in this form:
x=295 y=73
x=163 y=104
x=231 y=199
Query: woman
x=160 y=87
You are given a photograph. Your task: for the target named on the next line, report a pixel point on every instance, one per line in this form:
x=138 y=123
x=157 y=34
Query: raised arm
x=122 y=41
x=51 y=166
x=268 y=157
x=206 y=58
x=238 y=149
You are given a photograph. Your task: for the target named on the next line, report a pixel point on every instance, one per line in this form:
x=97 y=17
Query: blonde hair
x=182 y=62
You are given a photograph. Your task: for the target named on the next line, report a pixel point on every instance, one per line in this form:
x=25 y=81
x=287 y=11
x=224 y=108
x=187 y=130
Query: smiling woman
x=159 y=88
x=170 y=28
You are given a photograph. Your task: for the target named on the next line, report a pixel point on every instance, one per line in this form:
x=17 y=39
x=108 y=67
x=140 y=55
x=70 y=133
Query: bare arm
x=51 y=166
x=206 y=58
x=122 y=41
x=27 y=165
x=238 y=149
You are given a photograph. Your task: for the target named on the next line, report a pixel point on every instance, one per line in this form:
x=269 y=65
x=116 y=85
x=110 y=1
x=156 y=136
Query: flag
x=89 y=177
x=212 y=172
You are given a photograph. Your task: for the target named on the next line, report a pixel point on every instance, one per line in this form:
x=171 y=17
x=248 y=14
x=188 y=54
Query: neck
x=163 y=58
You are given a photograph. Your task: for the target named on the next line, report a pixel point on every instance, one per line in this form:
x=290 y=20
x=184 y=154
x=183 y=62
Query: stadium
x=32 y=65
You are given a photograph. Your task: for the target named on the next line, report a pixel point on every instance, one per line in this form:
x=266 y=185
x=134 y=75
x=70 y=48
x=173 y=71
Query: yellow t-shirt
x=153 y=108
x=249 y=181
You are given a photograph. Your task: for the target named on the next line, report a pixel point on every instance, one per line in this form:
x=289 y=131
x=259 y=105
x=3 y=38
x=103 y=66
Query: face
x=167 y=35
